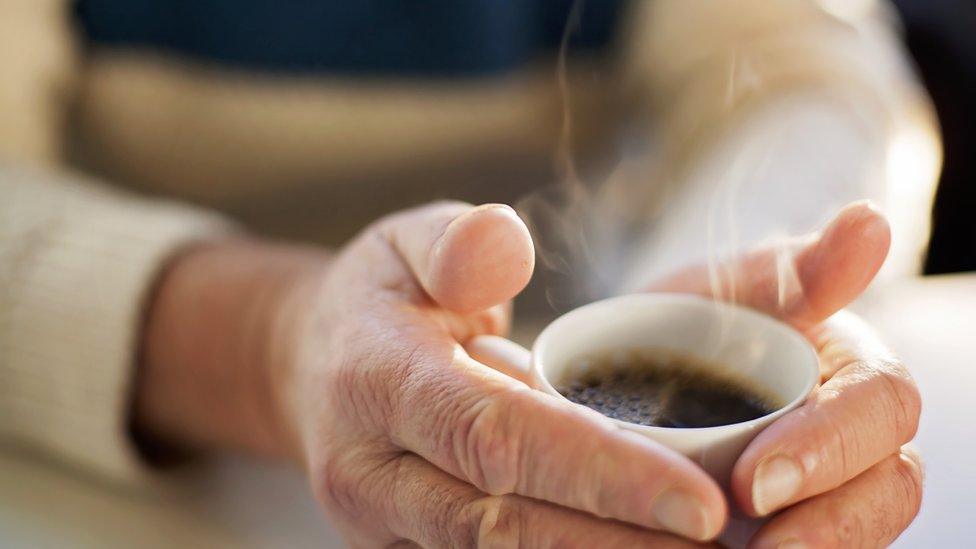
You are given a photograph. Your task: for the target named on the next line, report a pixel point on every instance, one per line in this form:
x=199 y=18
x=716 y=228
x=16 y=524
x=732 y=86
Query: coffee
x=657 y=388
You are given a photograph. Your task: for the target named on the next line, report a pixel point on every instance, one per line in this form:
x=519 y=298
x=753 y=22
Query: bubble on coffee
x=663 y=389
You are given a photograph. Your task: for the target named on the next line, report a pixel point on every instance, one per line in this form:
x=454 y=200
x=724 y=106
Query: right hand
x=407 y=439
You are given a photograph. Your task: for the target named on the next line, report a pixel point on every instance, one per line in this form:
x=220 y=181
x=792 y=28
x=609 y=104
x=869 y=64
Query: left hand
x=836 y=467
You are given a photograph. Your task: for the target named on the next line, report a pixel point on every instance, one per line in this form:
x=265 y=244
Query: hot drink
x=656 y=388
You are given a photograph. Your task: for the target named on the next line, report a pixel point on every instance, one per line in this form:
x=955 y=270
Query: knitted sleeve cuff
x=77 y=264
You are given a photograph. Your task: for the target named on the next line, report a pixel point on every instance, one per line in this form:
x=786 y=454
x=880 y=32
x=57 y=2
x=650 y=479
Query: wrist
x=213 y=347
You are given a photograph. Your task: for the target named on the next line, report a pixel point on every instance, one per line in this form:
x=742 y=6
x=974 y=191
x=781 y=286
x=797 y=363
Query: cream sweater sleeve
x=770 y=114
x=77 y=264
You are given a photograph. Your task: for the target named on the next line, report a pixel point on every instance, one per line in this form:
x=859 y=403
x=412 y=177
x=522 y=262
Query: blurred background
x=940 y=37
x=634 y=137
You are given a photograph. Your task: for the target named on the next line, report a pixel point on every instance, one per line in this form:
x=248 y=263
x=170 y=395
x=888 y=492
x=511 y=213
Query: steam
x=589 y=234
x=558 y=214
x=564 y=152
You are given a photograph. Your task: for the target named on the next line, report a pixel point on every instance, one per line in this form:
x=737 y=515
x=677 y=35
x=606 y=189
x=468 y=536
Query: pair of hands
x=356 y=368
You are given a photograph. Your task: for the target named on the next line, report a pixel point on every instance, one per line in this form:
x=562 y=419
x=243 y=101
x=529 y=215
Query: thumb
x=467 y=258
x=802 y=281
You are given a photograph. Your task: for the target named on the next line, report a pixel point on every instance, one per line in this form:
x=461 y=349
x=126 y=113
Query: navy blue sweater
x=381 y=37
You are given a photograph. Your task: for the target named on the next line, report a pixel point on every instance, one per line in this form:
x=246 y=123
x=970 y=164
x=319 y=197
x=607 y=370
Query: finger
x=466 y=258
x=499 y=435
x=803 y=280
x=503 y=355
x=844 y=338
x=865 y=412
x=434 y=509
x=869 y=511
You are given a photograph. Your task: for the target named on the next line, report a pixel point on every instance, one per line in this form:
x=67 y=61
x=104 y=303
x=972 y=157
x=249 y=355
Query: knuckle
x=877 y=410
x=908 y=481
x=356 y=485
x=496 y=521
x=842 y=454
x=902 y=395
x=487 y=445
x=473 y=429
x=910 y=454
x=847 y=531
x=338 y=489
x=894 y=507
x=878 y=521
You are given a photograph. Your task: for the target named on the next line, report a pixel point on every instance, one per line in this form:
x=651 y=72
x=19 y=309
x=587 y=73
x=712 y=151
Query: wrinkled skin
x=407 y=439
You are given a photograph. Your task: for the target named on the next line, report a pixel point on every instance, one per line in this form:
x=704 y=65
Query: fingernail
x=791 y=543
x=682 y=514
x=777 y=479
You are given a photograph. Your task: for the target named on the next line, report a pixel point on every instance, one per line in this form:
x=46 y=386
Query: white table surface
x=932 y=325
x=240 y=503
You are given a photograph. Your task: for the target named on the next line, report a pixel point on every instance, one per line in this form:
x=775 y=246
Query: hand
x=836 y=468
x=355 y=368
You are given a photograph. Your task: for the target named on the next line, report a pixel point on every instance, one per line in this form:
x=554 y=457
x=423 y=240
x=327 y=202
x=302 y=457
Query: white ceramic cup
x=746 y=345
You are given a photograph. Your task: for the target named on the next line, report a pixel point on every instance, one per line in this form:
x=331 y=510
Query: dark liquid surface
x=656 y=389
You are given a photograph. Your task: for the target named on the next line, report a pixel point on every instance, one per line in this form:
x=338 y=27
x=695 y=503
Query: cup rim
x=813 y=373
